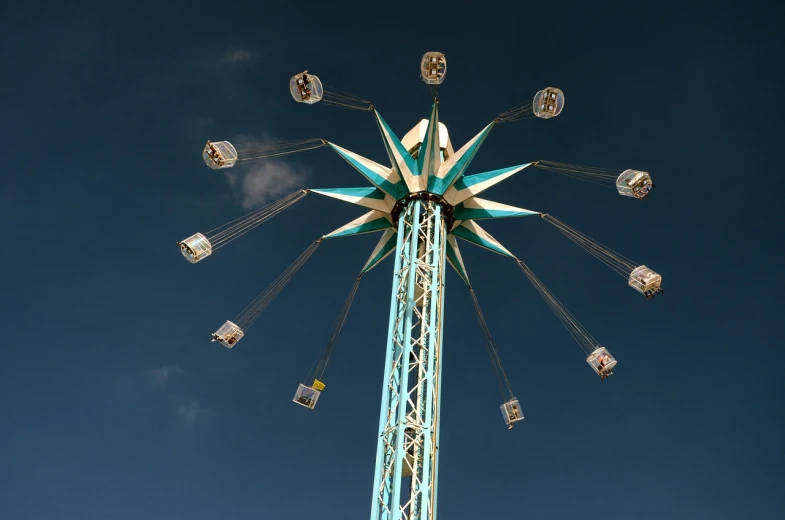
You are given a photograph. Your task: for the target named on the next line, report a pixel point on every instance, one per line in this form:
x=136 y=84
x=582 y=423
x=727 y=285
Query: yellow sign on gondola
x=318 y=385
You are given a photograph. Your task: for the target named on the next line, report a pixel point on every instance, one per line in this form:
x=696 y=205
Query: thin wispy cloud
x=236 y=56
x=226 y=75
x=191 y=412
x=264 y=180
x=162 y=374
x=169 y=384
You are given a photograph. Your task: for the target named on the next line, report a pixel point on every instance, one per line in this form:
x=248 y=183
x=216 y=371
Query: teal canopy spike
x=466 y=187
x=455 y=166
x=367 y=197
x=476 y=208
x=367 y=223
x=472 y=232
x=385 y=246
x=402 y=162
x=380 y=176
x=429 y=159
x=455 y=259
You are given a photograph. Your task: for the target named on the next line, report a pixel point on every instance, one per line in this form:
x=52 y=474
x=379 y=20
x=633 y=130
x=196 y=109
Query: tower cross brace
x=405 y=478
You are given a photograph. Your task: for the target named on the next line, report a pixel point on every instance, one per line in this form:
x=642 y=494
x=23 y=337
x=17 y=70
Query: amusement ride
x=422 y=203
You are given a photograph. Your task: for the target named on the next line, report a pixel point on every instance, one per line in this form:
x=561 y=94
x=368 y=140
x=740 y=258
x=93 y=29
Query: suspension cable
x=254 y=151
x=616 y=261
x=601 y=176
x=324 y=359
x=501 y=376
x=433 y=88
x=517 y=113
x=578 y=332
x=336 y=97
x=250 y=314
x=230 y=231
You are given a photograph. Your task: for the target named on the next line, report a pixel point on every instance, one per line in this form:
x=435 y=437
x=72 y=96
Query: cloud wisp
x=265 y=180
x=236 y=56
x=168 y=381
x=191 y=412
x=224 y=72
x=162 y=374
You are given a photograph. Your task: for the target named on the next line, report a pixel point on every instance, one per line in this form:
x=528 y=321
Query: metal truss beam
x=407 y=452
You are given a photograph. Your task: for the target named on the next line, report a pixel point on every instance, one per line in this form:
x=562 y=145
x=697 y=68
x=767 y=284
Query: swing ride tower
x=422 y=203
x=408 y=442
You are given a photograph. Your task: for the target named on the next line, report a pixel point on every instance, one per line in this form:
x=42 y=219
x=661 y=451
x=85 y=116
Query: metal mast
x=407 y=454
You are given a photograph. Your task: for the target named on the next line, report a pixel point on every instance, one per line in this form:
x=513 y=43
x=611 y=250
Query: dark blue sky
x=114 y=404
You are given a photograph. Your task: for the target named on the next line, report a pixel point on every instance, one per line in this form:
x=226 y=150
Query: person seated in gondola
x=302 y=86
x=215 y=154
x=513 y=417
x=602 y=361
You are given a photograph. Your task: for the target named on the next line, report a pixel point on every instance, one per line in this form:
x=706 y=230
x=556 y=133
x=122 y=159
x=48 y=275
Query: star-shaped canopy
x=429 y=173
